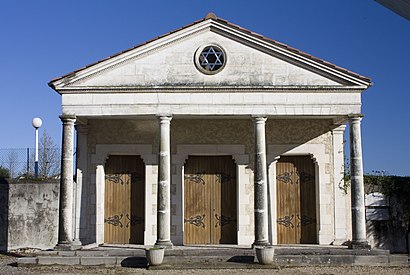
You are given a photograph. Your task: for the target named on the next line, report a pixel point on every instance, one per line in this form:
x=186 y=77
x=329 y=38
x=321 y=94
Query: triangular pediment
x=173 y=61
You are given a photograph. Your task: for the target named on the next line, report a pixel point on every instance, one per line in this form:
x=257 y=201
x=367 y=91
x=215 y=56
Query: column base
x=76 y=244
x=359 y=245
x=64 y=247
x=261 y=243
x=340 y=242
x=166 y=244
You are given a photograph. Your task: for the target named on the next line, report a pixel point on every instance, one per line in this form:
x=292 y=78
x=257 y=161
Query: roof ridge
x=211 y=15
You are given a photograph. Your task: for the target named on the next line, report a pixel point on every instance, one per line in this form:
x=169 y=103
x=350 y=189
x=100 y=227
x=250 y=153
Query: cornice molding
x=212 y=89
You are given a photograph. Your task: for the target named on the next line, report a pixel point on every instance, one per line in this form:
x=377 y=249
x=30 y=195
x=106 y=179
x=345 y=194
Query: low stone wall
x=28 y=215
x=388 y=217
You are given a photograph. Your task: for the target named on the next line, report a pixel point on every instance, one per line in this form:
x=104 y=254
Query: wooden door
x=210 y=200
x=296 y=200
x=124 y=200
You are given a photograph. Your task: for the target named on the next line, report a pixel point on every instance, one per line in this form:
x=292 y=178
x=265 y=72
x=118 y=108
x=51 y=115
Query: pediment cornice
x=69 y=82
x=214 y=89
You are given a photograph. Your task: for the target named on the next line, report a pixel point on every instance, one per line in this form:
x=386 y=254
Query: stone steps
x=199 y=258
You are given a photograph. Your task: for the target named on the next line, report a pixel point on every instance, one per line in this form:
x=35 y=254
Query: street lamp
x=36 y=124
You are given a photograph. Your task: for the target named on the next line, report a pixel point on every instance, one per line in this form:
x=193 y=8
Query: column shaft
x=260 y=184
x=65 y=233
x=81 y=161
x=359 y=239
x=341 y=212
x=164 y=184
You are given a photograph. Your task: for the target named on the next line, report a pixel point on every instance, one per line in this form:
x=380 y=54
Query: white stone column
x=65 y=233
x=99 y=202
x=272 y=200
x=341 y=210
x=260 y=185
x=359 y=239
x=81 y=161
x=164 y=184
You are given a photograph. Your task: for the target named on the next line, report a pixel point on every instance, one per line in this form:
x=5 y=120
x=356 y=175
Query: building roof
x=213 y=17
x=400 y=7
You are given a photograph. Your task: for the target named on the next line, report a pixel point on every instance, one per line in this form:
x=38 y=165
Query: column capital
x=339 y=129
x=164 y=116
x=67 y=118
x=355 y=118
x=82 y=128
x=259 y=118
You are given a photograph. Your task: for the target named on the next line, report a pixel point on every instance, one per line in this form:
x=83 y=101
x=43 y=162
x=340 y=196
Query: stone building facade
x=239 y=139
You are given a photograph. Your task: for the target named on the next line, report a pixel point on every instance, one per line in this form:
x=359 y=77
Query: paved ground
x=6 y=267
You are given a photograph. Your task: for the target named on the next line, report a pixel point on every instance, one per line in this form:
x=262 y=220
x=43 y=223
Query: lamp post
x=36 y=124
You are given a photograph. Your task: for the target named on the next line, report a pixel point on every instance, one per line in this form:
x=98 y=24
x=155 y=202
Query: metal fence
x=19 y=162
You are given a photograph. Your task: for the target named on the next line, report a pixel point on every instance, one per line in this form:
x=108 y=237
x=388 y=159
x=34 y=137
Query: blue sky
x=41 y=40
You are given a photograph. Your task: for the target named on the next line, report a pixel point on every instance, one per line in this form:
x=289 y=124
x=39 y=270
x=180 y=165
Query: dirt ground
x=7 y=266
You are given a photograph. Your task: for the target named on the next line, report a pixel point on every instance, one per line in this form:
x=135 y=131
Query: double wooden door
x=296 y=200
x=210 y=200
x=124 y=200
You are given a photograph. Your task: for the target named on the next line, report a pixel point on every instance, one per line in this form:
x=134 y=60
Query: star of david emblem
x=211 y=58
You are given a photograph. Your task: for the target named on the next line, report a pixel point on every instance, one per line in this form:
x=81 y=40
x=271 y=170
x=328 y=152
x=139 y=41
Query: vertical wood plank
x=296 y=200
x=124 y=200
x=210 y=196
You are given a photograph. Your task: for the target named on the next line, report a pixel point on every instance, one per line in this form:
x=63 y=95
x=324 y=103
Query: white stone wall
x=254 y=83
x=251 y=102
x=324 y=202
x=96 y=215
x=209 y=137
x=259 y=78
x=173 y=64
x=244 y=201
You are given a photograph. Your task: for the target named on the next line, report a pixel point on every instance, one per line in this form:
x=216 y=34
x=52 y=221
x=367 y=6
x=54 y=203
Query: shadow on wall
x=387 y=235
x=388 y=225
x=4 y=214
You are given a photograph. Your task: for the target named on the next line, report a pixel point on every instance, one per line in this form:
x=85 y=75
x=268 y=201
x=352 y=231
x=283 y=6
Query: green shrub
x=4 y=172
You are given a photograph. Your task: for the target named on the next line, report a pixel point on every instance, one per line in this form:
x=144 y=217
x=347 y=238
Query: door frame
x=301 y=195
x=237 y=152
x=140 y=166
x=321 y=158
x=98 y=160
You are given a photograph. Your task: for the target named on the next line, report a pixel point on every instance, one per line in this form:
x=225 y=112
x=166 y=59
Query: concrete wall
x=28 y=215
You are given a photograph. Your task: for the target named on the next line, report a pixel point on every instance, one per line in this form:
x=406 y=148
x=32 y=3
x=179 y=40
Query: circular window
x=210 y=59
